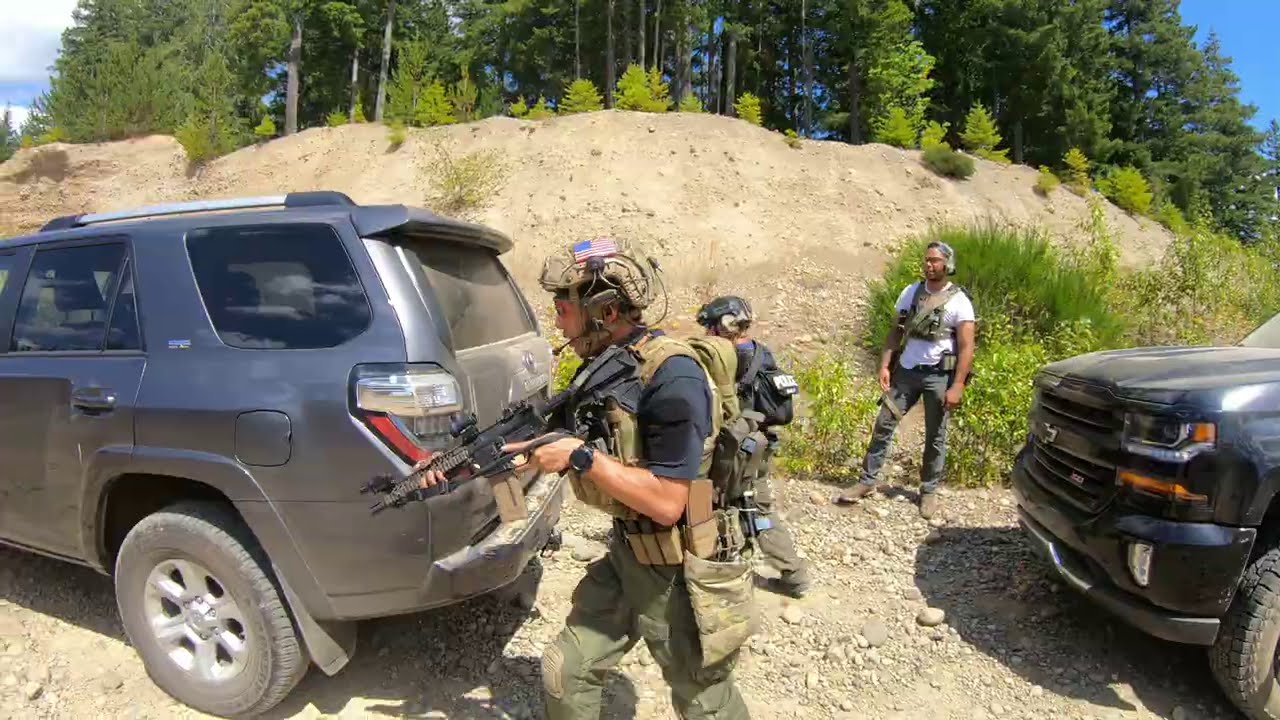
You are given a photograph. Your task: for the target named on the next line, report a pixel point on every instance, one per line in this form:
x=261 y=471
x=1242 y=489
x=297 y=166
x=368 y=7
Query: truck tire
x=198 y=602
x=1243 y=658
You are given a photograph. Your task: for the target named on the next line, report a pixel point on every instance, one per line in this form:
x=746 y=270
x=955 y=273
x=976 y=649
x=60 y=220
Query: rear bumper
x=1194 y=571
x=491 y=563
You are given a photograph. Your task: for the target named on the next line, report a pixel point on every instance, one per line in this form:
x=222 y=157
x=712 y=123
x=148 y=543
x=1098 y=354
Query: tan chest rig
x=651 y=542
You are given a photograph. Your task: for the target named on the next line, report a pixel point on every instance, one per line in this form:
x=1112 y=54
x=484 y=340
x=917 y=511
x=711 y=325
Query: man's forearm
x=964 y=360
x=662 y=499
x=890 y=346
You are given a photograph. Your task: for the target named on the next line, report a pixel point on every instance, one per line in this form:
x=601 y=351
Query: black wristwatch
x=582 y=457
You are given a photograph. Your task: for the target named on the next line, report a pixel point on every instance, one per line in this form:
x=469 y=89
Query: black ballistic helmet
x=727 y=312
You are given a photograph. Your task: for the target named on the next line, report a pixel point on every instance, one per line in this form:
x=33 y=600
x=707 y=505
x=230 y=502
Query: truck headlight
x=1168 y=440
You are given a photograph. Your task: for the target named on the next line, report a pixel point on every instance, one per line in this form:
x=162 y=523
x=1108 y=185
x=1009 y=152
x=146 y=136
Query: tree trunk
x=291 y=89
x=657 y=36
x=380 y=103
x=855 y=103
x=640 y=43
x=610 y=62
x=577 y=40
x=806 y=52
x=355 y=84
x=713 y=87
x=1017 y=142
x=730 y=63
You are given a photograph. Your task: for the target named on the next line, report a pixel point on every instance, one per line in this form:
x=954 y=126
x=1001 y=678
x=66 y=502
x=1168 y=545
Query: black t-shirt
x=674 y=417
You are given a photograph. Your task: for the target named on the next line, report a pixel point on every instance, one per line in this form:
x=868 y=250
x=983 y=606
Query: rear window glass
x=477 y=296
x=278 y=286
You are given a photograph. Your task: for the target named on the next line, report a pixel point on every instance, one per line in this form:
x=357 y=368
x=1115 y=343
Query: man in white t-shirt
x=937 y=320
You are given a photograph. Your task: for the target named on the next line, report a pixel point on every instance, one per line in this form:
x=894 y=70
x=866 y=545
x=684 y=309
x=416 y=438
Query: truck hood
x=1170 y=375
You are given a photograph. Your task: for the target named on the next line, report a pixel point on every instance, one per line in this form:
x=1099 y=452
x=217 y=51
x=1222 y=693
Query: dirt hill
x=725 y=206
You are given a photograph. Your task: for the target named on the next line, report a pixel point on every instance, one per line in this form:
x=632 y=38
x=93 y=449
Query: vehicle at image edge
x=190 y=402
x=1149 y=481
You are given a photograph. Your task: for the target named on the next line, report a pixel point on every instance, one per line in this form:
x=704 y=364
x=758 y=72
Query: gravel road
x=950 y=619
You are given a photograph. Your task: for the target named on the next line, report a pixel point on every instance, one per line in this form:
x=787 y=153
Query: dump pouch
x=724 y=608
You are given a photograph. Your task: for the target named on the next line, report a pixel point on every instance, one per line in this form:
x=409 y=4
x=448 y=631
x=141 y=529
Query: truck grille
x=1069 y=412
x=1083 y=482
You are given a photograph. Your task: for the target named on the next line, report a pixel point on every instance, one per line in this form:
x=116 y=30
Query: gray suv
x=192 y=395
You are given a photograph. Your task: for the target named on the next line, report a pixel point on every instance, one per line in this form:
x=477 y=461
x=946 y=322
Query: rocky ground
x=949 y=619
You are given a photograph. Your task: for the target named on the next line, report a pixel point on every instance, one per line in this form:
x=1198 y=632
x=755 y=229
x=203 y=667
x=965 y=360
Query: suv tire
x=228 y=645
x=1244 y=656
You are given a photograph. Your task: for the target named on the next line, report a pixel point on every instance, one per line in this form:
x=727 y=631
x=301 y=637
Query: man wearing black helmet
x=767 y=390
x=936 y=319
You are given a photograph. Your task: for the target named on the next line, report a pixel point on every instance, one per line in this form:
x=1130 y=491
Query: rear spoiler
x=388 y=220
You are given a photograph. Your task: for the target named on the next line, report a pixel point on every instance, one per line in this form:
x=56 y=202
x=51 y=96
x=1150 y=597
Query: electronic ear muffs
x=728 y=321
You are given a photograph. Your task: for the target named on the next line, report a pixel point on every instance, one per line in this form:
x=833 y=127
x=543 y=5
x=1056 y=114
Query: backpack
x=767 y=390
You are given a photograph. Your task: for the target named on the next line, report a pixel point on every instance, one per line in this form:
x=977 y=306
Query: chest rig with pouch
x=924 y=321
x=731 y=455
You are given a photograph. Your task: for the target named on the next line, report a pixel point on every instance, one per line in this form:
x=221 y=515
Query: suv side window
x=66 y=298
x=278 y=286
x=6 y=262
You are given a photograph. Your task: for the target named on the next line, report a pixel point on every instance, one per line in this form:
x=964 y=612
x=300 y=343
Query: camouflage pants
x=776 y=542
x=618 y=603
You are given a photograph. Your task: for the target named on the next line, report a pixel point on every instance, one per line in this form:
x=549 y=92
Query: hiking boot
x=859 y=491
x=928 y=504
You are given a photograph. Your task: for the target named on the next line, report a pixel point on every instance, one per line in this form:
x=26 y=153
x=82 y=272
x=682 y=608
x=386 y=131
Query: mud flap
x=331 y=645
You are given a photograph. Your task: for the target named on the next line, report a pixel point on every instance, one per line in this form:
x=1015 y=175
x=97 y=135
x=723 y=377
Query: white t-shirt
x=929 y=352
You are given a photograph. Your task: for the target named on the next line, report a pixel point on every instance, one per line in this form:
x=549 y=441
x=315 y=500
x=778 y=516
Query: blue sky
x=30 y=32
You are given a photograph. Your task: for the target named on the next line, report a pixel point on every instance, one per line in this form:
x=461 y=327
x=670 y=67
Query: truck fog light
x=1140 y=562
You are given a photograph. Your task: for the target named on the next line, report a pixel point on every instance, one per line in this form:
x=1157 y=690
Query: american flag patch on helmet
x=595 y=247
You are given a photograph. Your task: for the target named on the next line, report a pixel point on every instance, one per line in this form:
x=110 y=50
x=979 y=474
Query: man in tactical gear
x=936 y=319
x=646 y=463
x=767 y=390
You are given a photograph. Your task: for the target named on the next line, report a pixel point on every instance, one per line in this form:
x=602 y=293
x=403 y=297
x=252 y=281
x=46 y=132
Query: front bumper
x=491 y=563
x=1194 y=571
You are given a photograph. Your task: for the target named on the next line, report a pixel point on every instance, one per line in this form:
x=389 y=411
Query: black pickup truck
x=1150 y=479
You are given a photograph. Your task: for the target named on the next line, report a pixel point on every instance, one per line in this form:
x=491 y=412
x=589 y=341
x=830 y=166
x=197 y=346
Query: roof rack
x=317 y=198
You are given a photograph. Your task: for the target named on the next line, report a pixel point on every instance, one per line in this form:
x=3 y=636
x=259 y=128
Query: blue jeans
x=906 y=388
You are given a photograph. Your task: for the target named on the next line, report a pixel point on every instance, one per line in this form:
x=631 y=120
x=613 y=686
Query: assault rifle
x=478 y=451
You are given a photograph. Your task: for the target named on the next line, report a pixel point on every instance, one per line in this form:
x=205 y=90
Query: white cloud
x=30 y=36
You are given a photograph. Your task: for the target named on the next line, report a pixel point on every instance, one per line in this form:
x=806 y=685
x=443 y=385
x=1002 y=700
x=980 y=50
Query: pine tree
x=896 y=129
x=980 y=136
x=435 y=108
x=582 y=96
x=8 y=138
x=748 y=108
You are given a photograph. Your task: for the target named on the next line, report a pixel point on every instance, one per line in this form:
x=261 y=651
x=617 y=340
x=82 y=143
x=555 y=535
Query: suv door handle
x=94 y=399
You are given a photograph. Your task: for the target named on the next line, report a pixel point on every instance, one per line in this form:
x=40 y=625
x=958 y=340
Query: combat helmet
x=599 y=271
x=727 y=312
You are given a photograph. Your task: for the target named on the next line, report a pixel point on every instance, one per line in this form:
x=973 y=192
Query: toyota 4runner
x=190 y=401
x=1149 y=481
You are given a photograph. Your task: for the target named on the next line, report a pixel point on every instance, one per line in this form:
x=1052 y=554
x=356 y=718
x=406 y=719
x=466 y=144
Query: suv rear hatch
x=472 y=345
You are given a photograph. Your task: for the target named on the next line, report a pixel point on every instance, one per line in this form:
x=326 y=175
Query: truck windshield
x=1266 y=335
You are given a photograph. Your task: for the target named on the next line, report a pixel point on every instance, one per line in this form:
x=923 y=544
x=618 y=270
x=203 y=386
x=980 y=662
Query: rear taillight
x=409 y=407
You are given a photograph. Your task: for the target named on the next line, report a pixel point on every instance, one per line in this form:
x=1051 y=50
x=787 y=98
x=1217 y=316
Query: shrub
x=1046 y=181
x=265 y=129
x=895 y=129
x=582 y=96
x=1010 y=272
x=947 y=162
x=396 y=134
x=465 y=183
x=540 y=111
x=792 y=139
x=934 y=134
x=748 y=108
x=1077 y=171
x=980 y=136
x=833 y=418
x=645 y=92
x=519 y=109
x=435 y=108
x=690 y=104
x=335 y=119
x=1127 y=189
